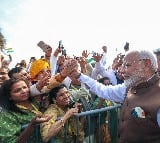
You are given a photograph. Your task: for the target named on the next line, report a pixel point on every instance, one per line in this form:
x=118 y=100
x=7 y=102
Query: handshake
x=71 y=69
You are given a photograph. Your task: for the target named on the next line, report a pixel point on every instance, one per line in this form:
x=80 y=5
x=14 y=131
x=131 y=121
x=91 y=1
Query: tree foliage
x=2 y=41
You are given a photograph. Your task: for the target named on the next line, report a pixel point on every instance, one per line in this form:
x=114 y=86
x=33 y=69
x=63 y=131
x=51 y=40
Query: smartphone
x=60 y=46
x=64 y=52
x=43 y=46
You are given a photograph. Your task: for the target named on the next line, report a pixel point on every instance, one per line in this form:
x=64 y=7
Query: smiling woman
x=18 y=109
x=62 y=126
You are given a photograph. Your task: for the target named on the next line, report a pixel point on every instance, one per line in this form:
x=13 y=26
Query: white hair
x=144 y=54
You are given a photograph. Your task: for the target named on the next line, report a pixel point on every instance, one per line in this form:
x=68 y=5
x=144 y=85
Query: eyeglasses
x=127 y=65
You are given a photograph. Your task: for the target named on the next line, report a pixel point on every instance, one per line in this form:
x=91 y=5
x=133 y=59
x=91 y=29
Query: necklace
x=34 y=110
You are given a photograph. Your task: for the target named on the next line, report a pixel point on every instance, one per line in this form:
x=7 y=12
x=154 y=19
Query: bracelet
x=62 y=121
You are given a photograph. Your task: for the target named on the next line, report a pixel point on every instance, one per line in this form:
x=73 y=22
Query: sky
x=80 y=24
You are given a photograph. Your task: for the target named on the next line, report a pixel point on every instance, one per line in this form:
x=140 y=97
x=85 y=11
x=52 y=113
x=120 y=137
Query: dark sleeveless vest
x=141 y=130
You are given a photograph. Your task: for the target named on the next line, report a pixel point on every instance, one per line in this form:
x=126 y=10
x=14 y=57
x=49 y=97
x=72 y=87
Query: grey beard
x=133 y=81
x=128 y=83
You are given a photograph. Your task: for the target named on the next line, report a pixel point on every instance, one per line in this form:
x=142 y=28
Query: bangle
x=62 y=121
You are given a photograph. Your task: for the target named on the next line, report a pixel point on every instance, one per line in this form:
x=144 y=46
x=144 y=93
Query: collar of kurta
x=148 y=83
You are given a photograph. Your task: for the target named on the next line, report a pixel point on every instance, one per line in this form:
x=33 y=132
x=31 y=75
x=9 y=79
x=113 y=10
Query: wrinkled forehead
x=130 y=57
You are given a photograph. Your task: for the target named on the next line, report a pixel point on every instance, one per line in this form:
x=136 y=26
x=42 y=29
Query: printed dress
x=11 y=125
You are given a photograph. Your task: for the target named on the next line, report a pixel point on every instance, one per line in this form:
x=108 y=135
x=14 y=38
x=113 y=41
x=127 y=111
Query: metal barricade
x=36 y=134
x=93 y=118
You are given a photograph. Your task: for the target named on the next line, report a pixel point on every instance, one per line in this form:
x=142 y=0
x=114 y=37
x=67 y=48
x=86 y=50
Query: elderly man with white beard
x=140 y=94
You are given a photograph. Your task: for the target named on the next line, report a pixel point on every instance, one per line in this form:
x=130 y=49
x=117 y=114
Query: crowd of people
x=45 y=92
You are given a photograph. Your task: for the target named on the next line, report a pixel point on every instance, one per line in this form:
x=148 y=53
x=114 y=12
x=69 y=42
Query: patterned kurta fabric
x=69 y=127
x=11 y=125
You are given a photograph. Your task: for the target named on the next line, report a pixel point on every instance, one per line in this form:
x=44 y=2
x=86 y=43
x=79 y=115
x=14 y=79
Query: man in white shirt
x=140 y=90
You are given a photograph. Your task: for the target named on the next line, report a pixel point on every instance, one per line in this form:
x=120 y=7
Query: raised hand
x=85 y=54
x=44 y=81
x=40 y=119
x=69 y=66
x=97 y=57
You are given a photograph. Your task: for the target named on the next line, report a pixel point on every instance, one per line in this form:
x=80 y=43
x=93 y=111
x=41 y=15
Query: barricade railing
x=93 y=118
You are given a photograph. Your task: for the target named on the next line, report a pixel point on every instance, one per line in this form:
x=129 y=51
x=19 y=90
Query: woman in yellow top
x=62 y=125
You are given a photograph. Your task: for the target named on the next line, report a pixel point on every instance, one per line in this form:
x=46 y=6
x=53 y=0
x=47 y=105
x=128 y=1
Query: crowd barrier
x=94 y=121
x=93 y=118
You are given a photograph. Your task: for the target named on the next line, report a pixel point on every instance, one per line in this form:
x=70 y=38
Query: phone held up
x=61 y=48
x=43 y=46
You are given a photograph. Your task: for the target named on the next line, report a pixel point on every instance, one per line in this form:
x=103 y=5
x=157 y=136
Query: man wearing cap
x=157 y=53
